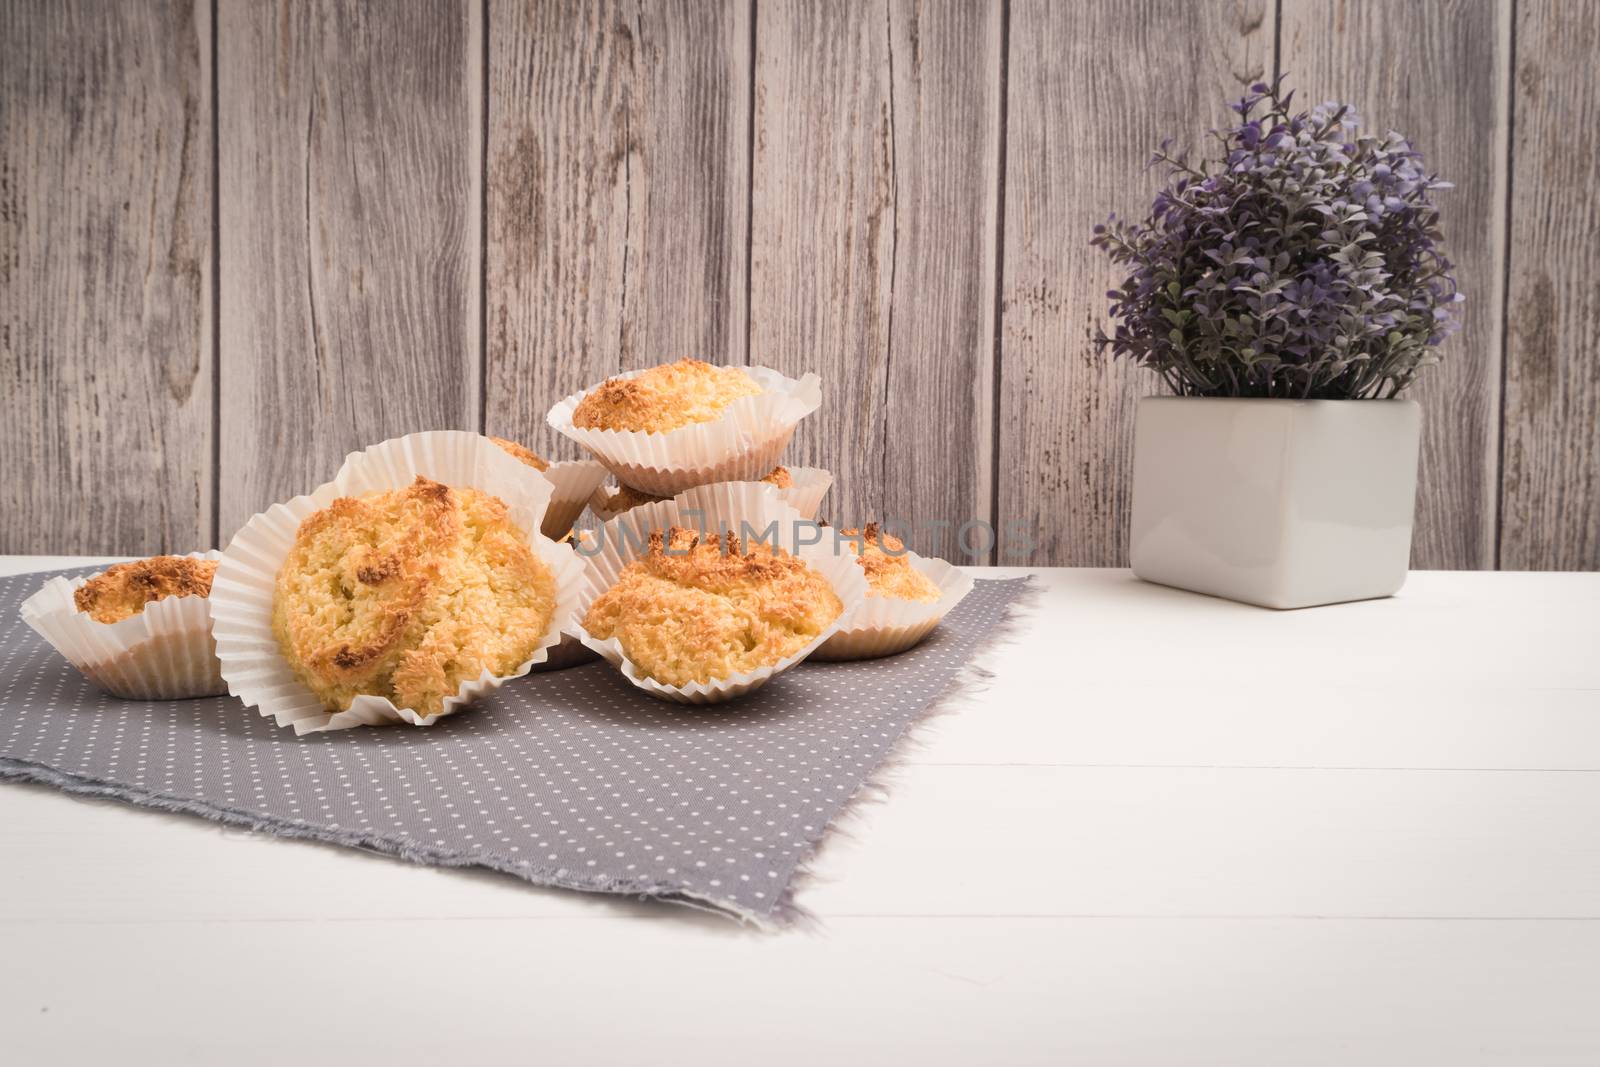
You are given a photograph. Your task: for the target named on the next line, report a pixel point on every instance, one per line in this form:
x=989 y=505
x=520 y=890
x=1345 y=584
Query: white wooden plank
x=1016 y=991
x=178 y=868
x=1203 y=841
x=1516 y=631
x=1025 y=716
x=963 y=840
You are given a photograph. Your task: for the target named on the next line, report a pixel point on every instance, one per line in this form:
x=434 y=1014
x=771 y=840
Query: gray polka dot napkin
x=572 y=778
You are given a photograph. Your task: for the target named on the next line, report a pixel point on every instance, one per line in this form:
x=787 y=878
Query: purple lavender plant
x=1304 y=262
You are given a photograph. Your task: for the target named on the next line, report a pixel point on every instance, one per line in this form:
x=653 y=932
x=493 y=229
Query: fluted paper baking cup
x=743 y=444
x=811 y=484
x=713 y=508
x=884 y=626
x=568 y=653
x=165 y=652
x=242 y=592
x=572 y=483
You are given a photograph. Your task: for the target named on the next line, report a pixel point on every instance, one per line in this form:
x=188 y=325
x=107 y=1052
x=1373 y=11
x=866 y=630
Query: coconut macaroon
x=888 y=568
x=698 y=609
x=663 y=398
x=139 y=630
x=408 y=593
x=522 y=452
x=124 y=589
x=626 y=498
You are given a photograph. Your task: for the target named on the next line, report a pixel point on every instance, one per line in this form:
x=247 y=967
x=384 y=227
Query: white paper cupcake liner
x=811 y=484
x=569 y=652
x=165 y=652
x=884 y=626
x=242 y=593
x=742 y=445
x=572 y=483
x=713 y=508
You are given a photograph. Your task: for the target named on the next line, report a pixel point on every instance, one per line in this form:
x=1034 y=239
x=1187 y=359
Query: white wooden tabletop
x=1363 y=834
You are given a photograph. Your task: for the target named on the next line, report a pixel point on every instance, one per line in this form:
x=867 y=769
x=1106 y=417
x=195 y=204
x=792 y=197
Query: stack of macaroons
x=688 y=625
x=682 y=625
x=437 y=566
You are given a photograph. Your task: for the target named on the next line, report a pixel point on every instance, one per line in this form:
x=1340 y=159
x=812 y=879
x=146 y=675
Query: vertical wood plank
x=944 y=62
x=1436 y=72
x=1550 y=510
x=105 y=276
x=822 y=231
x=1094 y=87
x=873 y=247
x=617 y=199
x=350 y=249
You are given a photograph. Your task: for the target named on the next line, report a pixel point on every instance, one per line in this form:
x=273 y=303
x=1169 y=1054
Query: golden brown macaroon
x=408 y=593
x=663 y=398
x=626 y=498
x=888 y=568
x=522 y=452
x=124 y=589
x=694 y=610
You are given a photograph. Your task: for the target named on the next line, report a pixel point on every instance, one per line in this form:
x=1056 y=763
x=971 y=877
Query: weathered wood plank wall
x=106 y=358
x=873 y=247
x=823 y=226
x=349 y=202
x=1550 y=504
x=452 y=213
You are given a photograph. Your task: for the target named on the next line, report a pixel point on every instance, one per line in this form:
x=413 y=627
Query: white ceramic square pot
x=1282 y=503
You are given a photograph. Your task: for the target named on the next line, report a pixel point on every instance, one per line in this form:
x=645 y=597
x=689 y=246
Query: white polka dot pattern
x=572 y=778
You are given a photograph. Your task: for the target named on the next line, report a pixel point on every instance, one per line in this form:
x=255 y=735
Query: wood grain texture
x=1087 y=104
x=105 y=276
x=350 y=250
x=450 y=213
x=873 y=248
x=822 y=232
x=1436 y=71
x=617 y=199
x=1550 y=517
x=945 y=68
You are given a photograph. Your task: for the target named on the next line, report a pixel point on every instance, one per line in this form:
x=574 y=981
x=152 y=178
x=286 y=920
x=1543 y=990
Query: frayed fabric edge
x=15 y=770
x=968 y=683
